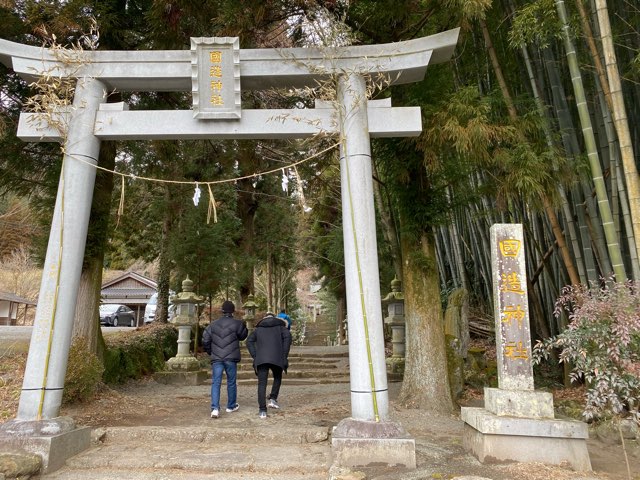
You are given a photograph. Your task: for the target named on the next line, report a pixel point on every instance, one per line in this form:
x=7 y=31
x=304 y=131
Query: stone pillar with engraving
x=517 y=422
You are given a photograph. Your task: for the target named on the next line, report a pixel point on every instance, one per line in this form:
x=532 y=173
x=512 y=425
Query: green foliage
x=138 y=353
x=84 y=373
x=536 y=22
x=298 y=327
x=465 y=124
x=469 y=9
x=602 y=344
x=203 y=250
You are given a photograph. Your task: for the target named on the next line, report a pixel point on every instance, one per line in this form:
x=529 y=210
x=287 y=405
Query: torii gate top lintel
x=170 y=70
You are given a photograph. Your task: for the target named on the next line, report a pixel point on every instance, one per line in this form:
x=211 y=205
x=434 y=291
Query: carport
x=130 y=289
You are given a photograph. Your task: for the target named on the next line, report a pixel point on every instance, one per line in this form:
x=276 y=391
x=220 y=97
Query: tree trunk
x=246 y=210
x=86 y=323
x=513 y=114
x=426 y=378
x=565 y=206
x=562 y=245
x=611 y=236
x=388 y=226
x=553 y=219
x=620 y=119
x=164 y=262
x=269 y=285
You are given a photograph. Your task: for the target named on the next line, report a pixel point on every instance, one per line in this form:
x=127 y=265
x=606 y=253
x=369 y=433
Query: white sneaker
x=234 y=409
x=262 y=414
x=215 y=413
x=273 y=404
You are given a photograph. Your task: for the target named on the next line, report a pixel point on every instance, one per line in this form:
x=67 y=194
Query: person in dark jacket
x=269 y=346
x=221 y=340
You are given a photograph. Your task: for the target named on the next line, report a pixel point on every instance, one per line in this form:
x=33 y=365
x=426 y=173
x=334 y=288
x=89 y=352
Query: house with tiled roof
x=130 y=289
x=13 y=309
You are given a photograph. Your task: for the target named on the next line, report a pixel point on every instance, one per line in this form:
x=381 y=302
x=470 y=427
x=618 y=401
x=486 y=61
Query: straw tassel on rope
x=121 y=205
x=212 y=207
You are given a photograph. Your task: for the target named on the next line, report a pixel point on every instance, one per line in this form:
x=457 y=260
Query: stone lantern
x=395 y=319
x=186 y=317
x=250 y=312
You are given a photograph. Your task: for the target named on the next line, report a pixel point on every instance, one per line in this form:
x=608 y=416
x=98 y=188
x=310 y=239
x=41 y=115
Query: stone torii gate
x=214 y=70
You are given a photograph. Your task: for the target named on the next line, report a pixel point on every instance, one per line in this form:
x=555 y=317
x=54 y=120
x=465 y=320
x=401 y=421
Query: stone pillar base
x=519 y=403
x=181 y=378
x=54 y=440
x=493 y=438
x=183 y=364
x=359 y=443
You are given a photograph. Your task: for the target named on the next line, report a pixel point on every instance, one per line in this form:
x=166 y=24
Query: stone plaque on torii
x=368 y=435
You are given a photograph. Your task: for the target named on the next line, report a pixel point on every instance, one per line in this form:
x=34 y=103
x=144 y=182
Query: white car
x=150 y=309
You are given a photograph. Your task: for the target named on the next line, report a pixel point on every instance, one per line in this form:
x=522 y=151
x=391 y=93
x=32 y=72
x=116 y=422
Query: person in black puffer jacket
x=221 y=340
x=269 y=346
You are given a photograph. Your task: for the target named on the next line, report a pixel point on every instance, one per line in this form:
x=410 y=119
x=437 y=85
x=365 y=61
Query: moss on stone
x=455 y=366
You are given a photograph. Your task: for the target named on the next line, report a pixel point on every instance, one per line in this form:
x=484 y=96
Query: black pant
x=263 y=374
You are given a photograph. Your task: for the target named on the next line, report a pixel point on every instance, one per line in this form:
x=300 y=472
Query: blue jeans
x=230 y=368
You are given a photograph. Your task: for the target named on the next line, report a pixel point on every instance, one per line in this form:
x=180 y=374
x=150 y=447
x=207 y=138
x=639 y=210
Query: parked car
x=112 y=314
x=150 y=309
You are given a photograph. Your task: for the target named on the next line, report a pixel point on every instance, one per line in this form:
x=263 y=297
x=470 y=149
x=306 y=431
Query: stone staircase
x=289 y=444
x=320 y=332
x=213 y=452
x=305 y=367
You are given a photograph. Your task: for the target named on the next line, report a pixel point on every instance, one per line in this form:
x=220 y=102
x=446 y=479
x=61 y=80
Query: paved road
x=17 y=338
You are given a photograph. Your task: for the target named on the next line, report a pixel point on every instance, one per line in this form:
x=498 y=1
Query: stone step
x=317 y=341
x=309 y=359
x=295 y=373
x=299 y=381
x=214 y=435
x=197 y=459
x=111 y=474
x=294 y=364
x=339 y=354
x=307 y=362
x=311 y=332
x=321 y=356
x=317 y=329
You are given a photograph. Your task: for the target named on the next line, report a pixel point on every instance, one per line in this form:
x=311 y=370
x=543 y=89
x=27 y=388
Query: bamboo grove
x=541 y=128
x=570 y=176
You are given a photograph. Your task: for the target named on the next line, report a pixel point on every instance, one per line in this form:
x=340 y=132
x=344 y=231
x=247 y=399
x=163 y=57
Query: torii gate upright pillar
x=37 y=424
x=368 y=435
x=41 y=394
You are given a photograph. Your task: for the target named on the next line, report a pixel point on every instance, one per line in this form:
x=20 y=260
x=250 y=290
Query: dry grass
x=11 y=373
x=576 y=394
x=540 y=471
